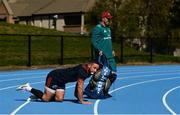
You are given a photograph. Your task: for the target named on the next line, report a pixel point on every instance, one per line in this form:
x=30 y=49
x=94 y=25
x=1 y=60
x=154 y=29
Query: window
x=72 y=20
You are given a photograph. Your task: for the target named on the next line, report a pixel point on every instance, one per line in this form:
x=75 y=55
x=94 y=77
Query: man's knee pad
x=112 y=78
x=97 y=75
x=92 y=84
x=107 y=86
x=109 y=82
x=94 y=79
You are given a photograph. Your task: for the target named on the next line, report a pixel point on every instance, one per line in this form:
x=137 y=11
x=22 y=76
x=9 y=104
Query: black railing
x=83 y=52
x=29 y=50
x=62 y=46
x=29 y=45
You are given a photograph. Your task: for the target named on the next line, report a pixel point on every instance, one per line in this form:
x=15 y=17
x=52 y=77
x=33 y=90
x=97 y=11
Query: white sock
x=28 y=88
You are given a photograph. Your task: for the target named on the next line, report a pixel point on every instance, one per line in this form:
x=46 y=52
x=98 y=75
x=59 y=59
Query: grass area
x=46 y=50
x=6 y=28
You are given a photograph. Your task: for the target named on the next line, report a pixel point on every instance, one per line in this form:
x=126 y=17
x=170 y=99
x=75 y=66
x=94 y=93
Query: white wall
x=37 y=21
x=60 y=23
x=47 y=22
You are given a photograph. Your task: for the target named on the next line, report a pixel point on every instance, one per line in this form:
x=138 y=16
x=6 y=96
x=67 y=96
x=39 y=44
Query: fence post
x=29 y=50
x=62 y=49
x=151 y=50
x=122 y=48
x=169 y=42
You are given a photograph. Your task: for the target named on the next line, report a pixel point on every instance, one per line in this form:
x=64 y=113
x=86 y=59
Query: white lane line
x=130 y=85
x=139 y=76
x=97 y=100
x=152 y=71
x=121 y=70
x=146 y=68
x=28 y=101
x=121 y=73
x=175 y=72
x=21 y=106
x=131 y=77
x=21 y=78
x=10 y=87
x=165 y=98
x=117 y=78
x=22 y=74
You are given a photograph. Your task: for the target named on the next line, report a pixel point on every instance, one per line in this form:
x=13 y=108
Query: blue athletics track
x=138 y=90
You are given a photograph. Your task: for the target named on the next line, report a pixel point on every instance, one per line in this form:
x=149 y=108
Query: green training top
x=101 y=40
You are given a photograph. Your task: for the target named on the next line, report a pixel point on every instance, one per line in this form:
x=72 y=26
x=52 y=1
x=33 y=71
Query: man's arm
x=79 y=91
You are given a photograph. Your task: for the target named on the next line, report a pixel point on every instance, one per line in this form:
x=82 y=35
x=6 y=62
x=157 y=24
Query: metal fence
x=152 y=50
x=17 y=49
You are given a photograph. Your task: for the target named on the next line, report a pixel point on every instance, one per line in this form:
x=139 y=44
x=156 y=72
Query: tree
x=157 y=26
x=93 y=17
x=135 y=18
x=175 y=14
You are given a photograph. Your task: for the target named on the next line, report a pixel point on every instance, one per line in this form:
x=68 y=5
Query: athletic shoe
x=34 y=98
x=25 y=86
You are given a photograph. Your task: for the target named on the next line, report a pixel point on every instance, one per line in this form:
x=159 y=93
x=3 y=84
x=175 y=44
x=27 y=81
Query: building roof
x=38 y=7
x=27 y=7
x=7 y=6
x=66 y=6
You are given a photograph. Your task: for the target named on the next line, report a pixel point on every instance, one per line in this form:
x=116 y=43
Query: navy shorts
x=53 y=83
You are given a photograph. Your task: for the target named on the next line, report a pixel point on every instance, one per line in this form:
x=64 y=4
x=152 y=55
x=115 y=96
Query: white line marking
x=131 y=77
x=21 y=106
x=42 y=73
x=130 y=85
x=121 y=70
x=28 y=101
x=173 y=72
x=138 y=76
x=18 y=85
x=145 y=68
x=21 y=78
x=152 y=71
x=122 y=73
x=96 y=104
x=165 y=98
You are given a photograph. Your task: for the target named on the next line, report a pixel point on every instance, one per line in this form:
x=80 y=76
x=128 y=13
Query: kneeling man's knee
x=45 y=98
x=59 y=99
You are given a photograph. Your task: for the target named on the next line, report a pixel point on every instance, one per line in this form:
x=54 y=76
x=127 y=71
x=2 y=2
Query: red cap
x=106 y=14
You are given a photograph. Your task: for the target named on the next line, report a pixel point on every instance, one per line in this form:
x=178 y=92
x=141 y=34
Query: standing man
x=102 y=42
x=57 y=79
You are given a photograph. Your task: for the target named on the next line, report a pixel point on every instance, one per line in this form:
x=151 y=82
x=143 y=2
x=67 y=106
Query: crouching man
x=57 y=79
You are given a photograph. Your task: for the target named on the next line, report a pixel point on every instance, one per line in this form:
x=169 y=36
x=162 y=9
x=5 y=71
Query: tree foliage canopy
x=138 y=18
